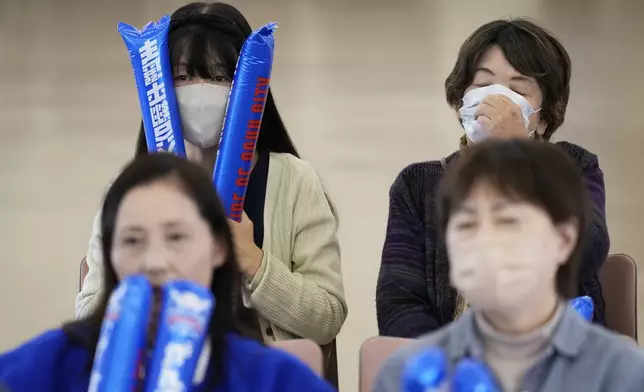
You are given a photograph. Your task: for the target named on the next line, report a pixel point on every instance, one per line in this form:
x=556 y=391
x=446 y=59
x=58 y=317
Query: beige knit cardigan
x=298 y=290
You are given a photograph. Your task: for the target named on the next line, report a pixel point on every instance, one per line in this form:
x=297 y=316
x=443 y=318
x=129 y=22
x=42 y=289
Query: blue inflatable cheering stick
x=471 y=375
x=187 y=308
x=584 y=305
x=148 y=49
x=243 y=120
x=122 y=337
x=425 y=372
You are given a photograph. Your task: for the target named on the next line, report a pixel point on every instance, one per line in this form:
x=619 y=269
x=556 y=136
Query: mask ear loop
x=533 y=133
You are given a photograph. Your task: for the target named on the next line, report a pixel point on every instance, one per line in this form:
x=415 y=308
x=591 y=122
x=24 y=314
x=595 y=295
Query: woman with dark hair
x=514 y=217
x=511 y=80
x=287 y=245
x=162 y=218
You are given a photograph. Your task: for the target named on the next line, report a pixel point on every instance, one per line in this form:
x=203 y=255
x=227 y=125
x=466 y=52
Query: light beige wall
x=359 y=84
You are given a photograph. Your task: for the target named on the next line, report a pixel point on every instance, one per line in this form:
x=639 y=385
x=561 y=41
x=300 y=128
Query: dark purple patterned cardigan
x=413 y=294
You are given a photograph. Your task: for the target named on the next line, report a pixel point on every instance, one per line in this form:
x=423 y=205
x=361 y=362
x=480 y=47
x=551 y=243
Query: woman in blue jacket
x=162 y=218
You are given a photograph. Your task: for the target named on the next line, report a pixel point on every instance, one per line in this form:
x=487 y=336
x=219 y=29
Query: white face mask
x=497 y=273
x=503 y=260
x=473 y=98
x=202 y=108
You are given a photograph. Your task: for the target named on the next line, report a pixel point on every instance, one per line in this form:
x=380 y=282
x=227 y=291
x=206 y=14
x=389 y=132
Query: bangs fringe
x=206 y=52
x=511 y=178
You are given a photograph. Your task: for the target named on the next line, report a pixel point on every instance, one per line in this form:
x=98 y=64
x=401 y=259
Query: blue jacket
x=52 y=363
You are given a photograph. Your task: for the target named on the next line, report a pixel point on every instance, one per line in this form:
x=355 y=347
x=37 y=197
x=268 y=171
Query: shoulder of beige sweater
x=295 y=168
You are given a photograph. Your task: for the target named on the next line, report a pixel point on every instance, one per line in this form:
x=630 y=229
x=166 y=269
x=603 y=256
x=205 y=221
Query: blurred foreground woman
x=162 y=218
x=513 y=215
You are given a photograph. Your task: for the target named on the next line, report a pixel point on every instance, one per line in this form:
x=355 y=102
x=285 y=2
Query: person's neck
x=524 y=319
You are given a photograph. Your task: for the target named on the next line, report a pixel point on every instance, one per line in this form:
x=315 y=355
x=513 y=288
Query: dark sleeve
x=402 y=303
x=597 y=242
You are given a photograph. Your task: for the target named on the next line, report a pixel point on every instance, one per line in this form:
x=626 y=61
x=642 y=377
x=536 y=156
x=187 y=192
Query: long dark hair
x=208 y=39
x=196 y=184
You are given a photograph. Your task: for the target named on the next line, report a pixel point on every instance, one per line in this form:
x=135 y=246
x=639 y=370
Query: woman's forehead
x=495 y=62
x=210 y=61
x=212 y=66
x=202 y=49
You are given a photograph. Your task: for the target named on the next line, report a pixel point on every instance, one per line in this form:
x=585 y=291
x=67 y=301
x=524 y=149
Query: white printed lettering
x=156 y=93
x=163 y=132
x=149 y=52
x=160 y=113
x=190 y=301
x=169 y=382
x=175 y=355
x=152 y=72
x=172 y=146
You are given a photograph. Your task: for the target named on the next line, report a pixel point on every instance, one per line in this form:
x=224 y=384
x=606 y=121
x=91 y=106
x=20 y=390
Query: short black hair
x=536 y=172
x=531 y=50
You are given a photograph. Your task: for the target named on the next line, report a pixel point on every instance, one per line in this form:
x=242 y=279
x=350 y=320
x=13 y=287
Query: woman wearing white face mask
x=511 y=80
x=513 y=214
x=286 y=244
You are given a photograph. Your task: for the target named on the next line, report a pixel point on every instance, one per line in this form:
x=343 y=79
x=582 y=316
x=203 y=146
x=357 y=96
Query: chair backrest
x=618 y=277
x=373 y=354
x=83 y=272
x=305 y=350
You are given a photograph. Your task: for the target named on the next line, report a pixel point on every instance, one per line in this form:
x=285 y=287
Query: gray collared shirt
x=580 y=357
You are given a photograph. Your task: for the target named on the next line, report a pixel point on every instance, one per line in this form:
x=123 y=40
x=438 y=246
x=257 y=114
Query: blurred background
x=360 y=86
